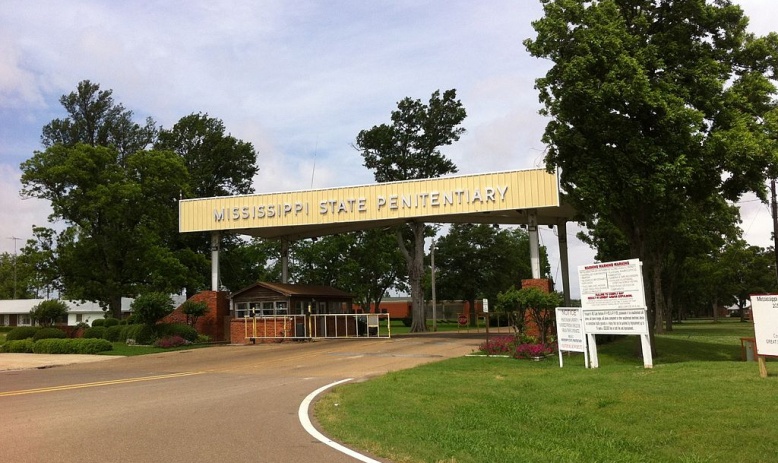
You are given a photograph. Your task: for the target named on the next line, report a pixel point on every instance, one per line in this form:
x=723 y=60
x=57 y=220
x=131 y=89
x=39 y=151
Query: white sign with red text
x=616 y=285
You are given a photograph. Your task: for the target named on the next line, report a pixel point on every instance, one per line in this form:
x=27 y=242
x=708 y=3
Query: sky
x=297 y=79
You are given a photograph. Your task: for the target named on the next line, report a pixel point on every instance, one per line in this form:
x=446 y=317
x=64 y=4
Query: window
x=241 y=310
x=281 y=308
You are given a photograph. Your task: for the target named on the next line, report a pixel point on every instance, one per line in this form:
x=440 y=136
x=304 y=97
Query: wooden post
x=762 y=366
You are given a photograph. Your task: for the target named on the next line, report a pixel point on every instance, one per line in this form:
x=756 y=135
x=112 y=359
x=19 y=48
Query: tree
x=366 y=264
x=48 y=312
x=540 y=305
x=476 y=261
x=40 y=253
x=193 y=311
x=656 y=107
x=151 y=307
x=116 y=216
x=16 y=277
x=218 y=165
x=94 y=119
x=409 y=149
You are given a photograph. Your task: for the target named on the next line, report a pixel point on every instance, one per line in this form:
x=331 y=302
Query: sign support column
x=215 y=277
x=561 y=230
x=534 y=242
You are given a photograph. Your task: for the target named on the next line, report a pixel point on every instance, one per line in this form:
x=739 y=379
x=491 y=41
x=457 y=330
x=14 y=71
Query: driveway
x=222 y=404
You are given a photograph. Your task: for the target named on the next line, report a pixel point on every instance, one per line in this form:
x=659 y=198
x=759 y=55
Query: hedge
x=95 y=332
x=109 y=322
x=49 y=333
x=21 y=346
x=71 y=346
x=177 y=329
x=21 y=332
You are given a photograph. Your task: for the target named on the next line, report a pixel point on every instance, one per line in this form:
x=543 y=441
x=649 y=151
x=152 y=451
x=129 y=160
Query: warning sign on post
x=617 y=321
x=617 y=285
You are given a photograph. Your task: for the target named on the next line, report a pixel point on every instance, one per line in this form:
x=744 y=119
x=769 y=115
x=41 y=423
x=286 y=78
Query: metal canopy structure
x=521 y=197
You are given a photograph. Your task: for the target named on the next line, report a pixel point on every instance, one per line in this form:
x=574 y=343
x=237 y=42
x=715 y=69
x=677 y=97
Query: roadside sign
x=462 y=319
x=613 y=300
x=570 y=334
x=486 y=305
x=764 y=310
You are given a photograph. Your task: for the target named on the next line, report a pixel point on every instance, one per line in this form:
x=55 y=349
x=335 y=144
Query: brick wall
x=271 y=328
x=543 y=284
x=212 y=323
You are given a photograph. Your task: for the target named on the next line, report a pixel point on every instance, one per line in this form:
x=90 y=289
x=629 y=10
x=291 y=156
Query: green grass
x=698 y=404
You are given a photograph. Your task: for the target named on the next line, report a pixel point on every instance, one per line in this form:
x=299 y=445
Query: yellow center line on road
x=68 y=387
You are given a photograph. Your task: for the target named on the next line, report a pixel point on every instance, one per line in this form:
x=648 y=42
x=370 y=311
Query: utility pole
x=434 y=300
x=775 y=225
x=19 y=239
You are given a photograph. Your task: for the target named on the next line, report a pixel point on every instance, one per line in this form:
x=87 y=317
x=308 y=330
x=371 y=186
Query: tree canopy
x=655 y=108
x=407 y=149
x=475 y=261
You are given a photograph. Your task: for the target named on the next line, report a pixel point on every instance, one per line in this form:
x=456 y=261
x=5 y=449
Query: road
x=221 y=404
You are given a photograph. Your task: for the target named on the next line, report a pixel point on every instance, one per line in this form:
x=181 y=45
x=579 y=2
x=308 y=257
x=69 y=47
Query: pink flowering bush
x=517 y=348
x=527 y=351
x=171 y=341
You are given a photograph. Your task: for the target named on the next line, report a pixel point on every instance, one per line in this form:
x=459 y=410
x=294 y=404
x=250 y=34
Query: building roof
x=23 y=306
x=296 y=290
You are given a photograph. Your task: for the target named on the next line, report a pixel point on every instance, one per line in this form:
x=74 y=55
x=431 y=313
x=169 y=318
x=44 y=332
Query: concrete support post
x=561 y=229
x=285 y=261
x=534 y=242
x=215 y=277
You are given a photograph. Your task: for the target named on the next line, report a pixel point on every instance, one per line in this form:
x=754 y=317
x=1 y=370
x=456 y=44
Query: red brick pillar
x=543 y=284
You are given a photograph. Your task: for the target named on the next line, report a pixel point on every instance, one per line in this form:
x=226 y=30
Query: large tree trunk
x=115 y=306
x=414 y=259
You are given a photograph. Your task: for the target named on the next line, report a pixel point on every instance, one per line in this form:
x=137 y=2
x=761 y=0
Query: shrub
x=114 y=333
x=49 y=333
x=533 y=350
x=98 y=322
x=22 y=346
x=499 y=345
x=21 y=332
x=151 y=307
x=171 y=341
x=142 y=334
x=48 y=312
x=194 y=310
x=71 y=346
x=177 y=329
x=110 y=322
x=95 y=332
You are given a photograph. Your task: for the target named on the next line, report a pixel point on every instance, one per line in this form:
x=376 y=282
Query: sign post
x=614 y=302
x=764 y=310
x=486 y=311
x=570 y=332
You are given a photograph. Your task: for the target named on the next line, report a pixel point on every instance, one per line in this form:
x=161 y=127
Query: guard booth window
x=261 y=309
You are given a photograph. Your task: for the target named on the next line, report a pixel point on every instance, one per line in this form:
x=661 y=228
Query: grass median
x=700 y=403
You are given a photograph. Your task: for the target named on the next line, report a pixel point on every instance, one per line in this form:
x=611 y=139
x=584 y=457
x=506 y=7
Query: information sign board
x=764 y=309
x=486 y=305
x=615 y=321
x=570 y=334
x=617 y=285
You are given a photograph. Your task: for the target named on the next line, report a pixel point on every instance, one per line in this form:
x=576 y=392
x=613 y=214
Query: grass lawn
x=699 y=403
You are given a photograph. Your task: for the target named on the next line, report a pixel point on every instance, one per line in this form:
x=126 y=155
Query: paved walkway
x=31 y=361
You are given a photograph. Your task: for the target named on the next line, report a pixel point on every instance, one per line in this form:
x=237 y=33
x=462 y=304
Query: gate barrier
x=330 y=326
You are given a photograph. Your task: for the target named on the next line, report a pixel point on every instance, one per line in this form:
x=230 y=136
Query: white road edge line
x=305 y=420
